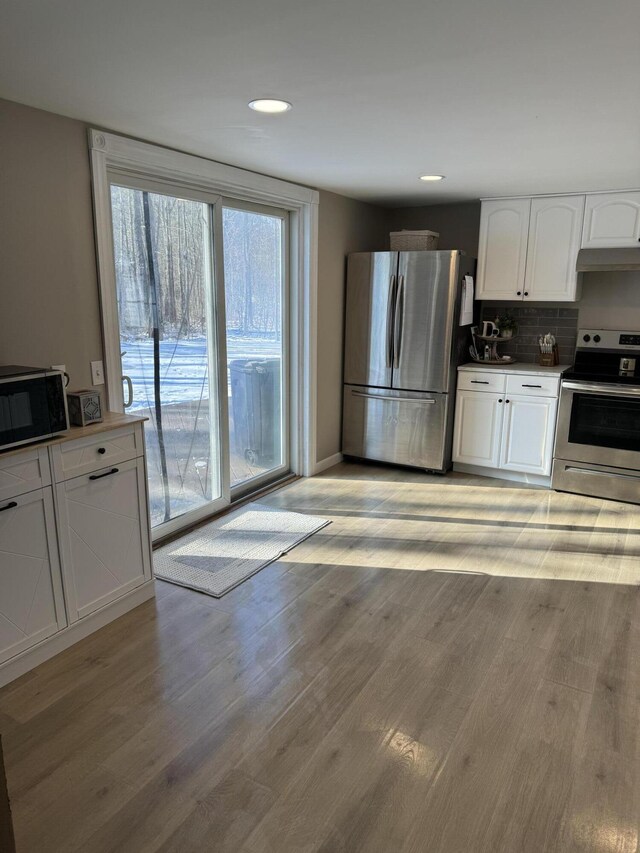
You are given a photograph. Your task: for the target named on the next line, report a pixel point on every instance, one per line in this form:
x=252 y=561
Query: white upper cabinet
x=502 y=253
x=555 y=229
x=529 y=246
x=611 y=219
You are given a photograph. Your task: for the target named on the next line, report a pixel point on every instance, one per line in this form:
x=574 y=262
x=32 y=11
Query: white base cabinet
x=102 y=530
x=76 y=554
x=528 y=429
x=509 y=427
x=478 y=428
x=31 y=602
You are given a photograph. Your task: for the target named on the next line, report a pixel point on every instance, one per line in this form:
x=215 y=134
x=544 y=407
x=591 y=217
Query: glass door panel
x=166 y=307
x=256 y=314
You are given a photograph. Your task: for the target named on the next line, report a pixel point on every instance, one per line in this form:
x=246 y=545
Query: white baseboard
x=328 y=462
x=502 y=474
x=18 y=665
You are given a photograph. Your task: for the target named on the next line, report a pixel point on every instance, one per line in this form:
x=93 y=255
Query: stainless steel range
x=597 y=450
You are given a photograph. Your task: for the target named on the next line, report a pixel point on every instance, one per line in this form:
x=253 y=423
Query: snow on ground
x=183 y=366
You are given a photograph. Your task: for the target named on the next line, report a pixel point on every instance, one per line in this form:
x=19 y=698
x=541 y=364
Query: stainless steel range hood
x=605 y=260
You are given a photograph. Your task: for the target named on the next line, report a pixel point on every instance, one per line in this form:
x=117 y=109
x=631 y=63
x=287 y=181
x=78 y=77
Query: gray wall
x=345 y=226
x=49 y=311
x=49 y=306
x=457 y=224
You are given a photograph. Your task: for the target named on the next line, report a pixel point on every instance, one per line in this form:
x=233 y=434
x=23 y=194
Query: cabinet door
x=554 y=240
x=611 y=219
x=31 y=605
x=478 y=425
x=527 y=435
x=103 y=531
x=502 y=253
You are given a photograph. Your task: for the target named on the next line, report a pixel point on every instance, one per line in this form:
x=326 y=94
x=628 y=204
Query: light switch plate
x=97 y=373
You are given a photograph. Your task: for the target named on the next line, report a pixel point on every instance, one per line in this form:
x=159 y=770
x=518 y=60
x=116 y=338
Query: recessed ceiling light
x=270 y=105
x=432 y=177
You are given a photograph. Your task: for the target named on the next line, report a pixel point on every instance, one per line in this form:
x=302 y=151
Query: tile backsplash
x=533 y=321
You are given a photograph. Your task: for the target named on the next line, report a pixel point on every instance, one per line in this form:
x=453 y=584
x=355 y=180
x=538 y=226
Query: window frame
x=112 y=154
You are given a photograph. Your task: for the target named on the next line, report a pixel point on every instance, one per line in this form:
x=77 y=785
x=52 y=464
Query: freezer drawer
x=402 y=427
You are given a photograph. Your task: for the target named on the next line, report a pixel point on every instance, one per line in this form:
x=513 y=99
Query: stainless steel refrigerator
x=403 y=343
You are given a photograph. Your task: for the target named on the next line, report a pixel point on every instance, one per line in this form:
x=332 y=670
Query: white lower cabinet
x=503 y=431
x=527 y=434
x=31 y=603
x=76 y=554
x=478 y=426
x=102 y=530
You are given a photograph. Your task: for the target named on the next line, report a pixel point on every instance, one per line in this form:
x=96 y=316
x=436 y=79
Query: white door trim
x=110 y=150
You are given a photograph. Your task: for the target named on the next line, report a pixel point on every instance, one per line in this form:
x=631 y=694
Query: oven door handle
x=575 y=470
x=598 y=388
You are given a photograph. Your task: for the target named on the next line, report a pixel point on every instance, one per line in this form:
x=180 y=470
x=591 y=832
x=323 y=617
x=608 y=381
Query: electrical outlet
x=61 y=367
x=97 y=373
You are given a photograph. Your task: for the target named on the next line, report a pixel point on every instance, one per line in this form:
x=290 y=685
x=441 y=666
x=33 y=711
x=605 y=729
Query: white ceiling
x=501 y=96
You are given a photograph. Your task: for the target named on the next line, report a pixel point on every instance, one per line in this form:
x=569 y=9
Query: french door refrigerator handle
x=390 y=320
x=398 y=322
x=428 y=400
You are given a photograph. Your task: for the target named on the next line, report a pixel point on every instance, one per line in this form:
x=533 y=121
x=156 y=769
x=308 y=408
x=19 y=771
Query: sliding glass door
x=163 y=252
x=202 y=286
x=255 y=276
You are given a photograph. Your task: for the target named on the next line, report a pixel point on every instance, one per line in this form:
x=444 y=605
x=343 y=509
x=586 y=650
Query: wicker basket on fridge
x=413 y=241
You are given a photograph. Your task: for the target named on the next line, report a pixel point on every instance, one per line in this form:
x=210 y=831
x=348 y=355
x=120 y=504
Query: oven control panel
x=608 y=339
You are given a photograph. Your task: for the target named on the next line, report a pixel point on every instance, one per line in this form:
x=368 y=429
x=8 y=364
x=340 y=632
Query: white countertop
x=519 y=367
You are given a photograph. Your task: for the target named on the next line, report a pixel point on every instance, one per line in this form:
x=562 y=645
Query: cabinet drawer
x=533 y=386
x=23 y=472
x=84 y=455
x=481 y=380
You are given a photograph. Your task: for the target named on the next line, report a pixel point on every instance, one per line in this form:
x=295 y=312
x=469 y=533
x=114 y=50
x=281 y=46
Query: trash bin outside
x=255 y=406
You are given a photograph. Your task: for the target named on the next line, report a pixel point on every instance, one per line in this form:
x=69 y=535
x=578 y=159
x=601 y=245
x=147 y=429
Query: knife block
x=549 y=359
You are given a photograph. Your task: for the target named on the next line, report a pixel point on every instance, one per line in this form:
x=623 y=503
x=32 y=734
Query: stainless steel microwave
x=33 y=404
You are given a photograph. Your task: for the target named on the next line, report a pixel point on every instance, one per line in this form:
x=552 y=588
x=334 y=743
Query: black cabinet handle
x=500 y=400
x=10 y=505
x=531 y=386
x=526 y=293
x=106 y=474
x=102 y=450
x=507 y=401
x=519 y=293
x=478 y=382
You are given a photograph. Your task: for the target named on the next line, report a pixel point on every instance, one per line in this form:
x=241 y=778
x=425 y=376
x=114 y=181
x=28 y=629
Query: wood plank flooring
x=452 y=665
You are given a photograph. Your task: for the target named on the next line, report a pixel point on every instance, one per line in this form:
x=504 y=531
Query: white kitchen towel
x=466 y=309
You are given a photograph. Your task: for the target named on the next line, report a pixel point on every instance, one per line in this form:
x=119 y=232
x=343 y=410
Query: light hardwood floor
x=452 y=666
